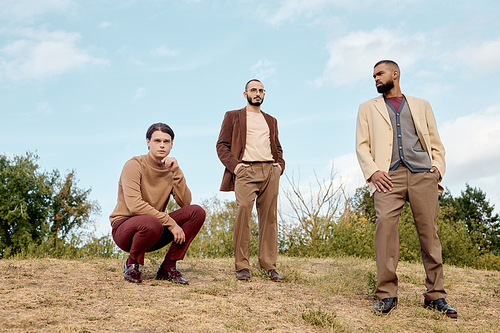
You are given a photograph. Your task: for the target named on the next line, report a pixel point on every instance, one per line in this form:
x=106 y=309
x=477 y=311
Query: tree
x=70 y=207
x=37 y=206
x=477 y=213
x=25 y=196
x=363 y=205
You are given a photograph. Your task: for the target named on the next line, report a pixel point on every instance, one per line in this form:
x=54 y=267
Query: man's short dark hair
x=159 y=127
x=246 y=85
x=389 y=62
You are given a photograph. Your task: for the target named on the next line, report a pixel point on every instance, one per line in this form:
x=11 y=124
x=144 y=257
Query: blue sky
x=81 y=81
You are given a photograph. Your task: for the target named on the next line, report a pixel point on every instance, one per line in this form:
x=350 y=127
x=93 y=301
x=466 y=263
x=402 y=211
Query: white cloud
x=353 y=56
x=289 y=10
x=27 y=10
x=263 y=69
x=472 y=146
x=136 y=61
x=104 y=25
x=483 y=57
x=41 y=54
x=164 y=51
x=140 y=93
x=87 y=109
x=437 y=88
x=43 y=108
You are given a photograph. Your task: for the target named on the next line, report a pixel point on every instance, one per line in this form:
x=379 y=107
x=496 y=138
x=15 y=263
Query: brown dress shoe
x=243 y=274
x=274 y=276
x=172 y=275
x=132 y=273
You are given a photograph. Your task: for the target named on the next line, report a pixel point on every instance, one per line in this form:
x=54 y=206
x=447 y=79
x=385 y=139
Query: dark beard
x=249 y=99
x=385 y=87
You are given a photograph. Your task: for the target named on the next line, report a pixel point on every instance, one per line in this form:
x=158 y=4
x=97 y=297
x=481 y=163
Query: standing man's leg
x=423 y=197
x=245 y=189
x=388 y=207
x=267 y=204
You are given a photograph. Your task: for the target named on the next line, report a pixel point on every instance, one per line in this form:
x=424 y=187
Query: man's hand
x=239 y=165
x=169 y=162
x=278 y=165
x=382 y=181
x=179 y=236
x=434 y=169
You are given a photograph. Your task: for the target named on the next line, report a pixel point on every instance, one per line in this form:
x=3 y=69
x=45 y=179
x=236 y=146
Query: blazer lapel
x=242 y=116
x=382 y=108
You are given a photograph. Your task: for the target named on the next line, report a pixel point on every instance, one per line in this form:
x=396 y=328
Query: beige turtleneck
x=144 y=188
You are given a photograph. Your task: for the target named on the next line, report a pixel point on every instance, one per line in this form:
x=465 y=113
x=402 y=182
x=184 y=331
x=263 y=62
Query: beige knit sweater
x=144 y=188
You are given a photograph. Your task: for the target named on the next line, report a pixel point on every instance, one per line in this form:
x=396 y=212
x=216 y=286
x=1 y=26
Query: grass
x=317 y=295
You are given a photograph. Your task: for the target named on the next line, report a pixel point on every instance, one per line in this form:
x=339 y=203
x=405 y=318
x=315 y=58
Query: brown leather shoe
x=274 y=276
x=172 y=275
x=132 y=273
x=243 y=274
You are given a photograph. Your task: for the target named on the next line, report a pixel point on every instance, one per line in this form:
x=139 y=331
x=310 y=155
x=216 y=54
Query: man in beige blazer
x=402 y=158
x=249 y=148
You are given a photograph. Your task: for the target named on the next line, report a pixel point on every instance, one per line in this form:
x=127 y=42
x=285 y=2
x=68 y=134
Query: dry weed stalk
x=319 y=203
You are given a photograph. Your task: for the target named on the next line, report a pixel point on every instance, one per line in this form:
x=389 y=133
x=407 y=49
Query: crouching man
x=139 y=221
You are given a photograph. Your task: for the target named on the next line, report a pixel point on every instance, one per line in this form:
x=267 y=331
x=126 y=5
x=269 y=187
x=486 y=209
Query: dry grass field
x=317 y=295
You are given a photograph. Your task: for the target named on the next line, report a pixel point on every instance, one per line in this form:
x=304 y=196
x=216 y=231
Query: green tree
x=363 y=205
x=37 y=207
x=477 y=213
x=70 y=207
x=25 y=196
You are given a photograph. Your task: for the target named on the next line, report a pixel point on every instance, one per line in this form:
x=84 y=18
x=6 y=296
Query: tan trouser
x=261 y=181
x=421 y=190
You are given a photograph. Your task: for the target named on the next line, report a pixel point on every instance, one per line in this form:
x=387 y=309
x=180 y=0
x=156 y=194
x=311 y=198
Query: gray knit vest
x=406 y=146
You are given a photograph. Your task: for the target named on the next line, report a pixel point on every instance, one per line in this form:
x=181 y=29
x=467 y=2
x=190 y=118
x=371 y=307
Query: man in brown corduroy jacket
x=249 y=148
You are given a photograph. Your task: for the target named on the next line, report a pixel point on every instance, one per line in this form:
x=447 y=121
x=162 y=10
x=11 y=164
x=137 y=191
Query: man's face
x=384 y=79
x=255 y=93
x=159 y=145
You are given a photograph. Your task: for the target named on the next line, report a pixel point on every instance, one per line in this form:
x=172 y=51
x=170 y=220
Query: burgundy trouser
x=145 y=233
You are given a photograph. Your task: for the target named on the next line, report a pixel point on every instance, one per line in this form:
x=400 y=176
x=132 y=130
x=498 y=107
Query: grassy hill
x=317 y=295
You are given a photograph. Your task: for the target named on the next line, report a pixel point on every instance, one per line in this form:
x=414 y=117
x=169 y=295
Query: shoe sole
x=243 y=278
x=132 y=281
x=453 y=315
x=380 y=313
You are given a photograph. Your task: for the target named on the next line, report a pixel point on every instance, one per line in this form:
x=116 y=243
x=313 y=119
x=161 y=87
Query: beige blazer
x=374 y=136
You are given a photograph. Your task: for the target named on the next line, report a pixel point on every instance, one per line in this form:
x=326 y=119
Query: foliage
x=477 y=213
x=39 y=207
x=363 y=205
x=75 y=247
x=215 y=239
x=352 y=232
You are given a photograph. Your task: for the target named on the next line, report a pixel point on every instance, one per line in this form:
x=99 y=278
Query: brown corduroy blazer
x=232 y=141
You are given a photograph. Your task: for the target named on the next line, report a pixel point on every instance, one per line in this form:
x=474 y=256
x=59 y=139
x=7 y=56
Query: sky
x=81 y=81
